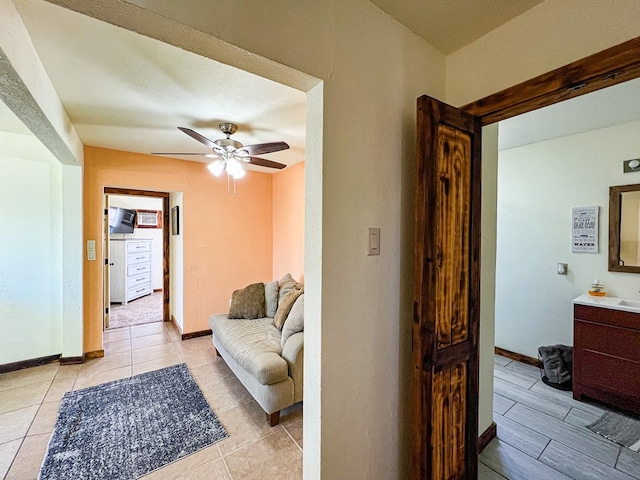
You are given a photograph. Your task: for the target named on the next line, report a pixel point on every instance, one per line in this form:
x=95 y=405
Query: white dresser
x=130 y=274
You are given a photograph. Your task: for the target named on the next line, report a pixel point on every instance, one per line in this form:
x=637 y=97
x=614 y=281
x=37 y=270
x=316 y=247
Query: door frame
x=165 y=238
x=609 y=67
x=603 y=69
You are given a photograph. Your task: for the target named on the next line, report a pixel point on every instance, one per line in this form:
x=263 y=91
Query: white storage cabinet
x=130 y=274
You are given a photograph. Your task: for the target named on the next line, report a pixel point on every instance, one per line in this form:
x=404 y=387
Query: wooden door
x=446 y=293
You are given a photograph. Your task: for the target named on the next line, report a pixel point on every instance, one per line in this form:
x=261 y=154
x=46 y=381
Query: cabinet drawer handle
x=140 y=279
x=139 y=258
x=141 y=290
x=140 y=268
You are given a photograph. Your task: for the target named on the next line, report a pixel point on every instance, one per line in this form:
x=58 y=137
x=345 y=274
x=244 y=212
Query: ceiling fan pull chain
x=234 y=185
x=228 y=184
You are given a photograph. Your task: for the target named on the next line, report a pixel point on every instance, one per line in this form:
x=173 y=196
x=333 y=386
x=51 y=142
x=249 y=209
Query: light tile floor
x=29 y=401
x=542 y=433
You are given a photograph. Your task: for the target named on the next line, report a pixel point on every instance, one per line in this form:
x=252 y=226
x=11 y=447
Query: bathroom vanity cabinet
x=606 y=352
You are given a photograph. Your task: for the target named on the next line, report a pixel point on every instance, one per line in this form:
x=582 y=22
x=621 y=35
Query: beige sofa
x=266 y=353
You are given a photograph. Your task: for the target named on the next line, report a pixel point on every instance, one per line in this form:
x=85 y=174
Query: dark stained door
x=446 y=293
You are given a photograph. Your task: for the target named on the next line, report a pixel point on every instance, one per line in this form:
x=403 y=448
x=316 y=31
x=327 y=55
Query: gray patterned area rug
x=618 y=428
x=128 y=428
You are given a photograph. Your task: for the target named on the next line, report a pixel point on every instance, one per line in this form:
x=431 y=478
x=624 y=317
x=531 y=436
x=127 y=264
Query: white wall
x=31 y=255
x=155 y=234
x=72 y=261
x=537 y=187
x=176 y=268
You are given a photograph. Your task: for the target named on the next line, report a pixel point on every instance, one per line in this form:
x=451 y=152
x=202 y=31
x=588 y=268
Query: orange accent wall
x=228 y=239
x=288 y=222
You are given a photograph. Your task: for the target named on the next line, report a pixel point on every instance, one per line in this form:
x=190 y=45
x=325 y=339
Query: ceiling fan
x=230 y=154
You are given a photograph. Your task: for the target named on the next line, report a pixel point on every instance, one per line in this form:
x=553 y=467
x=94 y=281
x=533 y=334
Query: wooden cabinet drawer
x=615 y=341
x=138 y=269
x=609 y=373
x=135 y=258
x=139 y=246
x=607 y=316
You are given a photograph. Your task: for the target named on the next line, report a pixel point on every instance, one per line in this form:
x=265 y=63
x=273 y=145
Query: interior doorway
x=136 y=287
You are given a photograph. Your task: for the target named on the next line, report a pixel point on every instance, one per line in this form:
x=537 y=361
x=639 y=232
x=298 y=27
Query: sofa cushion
x=295 y=320
x=271 y=298
x=254 y=345
x=284 y=307
x=248 y=302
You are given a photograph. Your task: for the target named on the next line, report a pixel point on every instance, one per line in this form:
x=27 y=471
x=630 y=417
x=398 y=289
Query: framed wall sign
x=584 y=233
x=148 y=219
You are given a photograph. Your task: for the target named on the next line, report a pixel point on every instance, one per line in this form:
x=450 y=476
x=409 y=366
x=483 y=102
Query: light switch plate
x=562 y=269
x=91 y=245
x=373 y=241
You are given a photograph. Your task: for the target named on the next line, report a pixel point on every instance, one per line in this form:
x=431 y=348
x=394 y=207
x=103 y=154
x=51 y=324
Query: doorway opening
x=136 y=251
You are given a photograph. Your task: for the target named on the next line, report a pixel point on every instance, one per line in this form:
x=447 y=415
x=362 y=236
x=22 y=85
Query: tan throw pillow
x=294 y=322
x=248 y=302
x=285 y=285
x=284 y=307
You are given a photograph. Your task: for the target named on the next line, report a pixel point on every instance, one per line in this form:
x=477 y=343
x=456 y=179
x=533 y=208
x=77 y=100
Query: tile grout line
x=615 y=465
x=224 y=462
x=291 y=437
x=251 y=443
x=542 y=451
x=494 y=471
x=14 y=457
x=520 y=449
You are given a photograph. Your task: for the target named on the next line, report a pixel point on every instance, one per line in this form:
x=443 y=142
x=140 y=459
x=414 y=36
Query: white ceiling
x=128 y=92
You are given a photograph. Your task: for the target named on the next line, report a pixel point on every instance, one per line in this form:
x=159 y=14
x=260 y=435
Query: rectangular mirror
x=624 y=228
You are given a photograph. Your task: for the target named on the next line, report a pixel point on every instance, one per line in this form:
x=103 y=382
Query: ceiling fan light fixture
x=216 y=167
x=230 y=154
x=238 y=174
x=234 y=168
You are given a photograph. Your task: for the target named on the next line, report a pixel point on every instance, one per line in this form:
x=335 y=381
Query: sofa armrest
x=293 y=353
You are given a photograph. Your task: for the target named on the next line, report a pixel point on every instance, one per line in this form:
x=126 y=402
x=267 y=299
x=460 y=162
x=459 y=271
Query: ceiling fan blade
x=202 y=139
x=179 y=153
x=263 y=162
x=262 y=148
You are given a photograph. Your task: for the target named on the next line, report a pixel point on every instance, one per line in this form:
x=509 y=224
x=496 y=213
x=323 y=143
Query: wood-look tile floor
x=29 y=401
x=542 y=433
